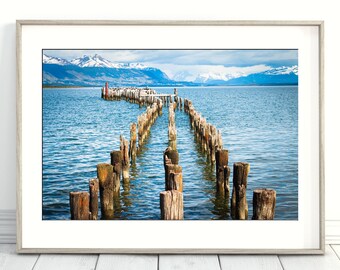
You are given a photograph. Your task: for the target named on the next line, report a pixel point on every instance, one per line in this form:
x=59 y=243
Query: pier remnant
x=171 y=203
x=116 y=162
x=264 y=201
x=133 y=142
x=222 y=173
x=94 y=190
x=169 y=183
x=124 y=149
x=105 y=177
x=175 y=181
x=207 y=135
x=172 y=133
x=79 y=205
x=171 y=154
x=239 y=205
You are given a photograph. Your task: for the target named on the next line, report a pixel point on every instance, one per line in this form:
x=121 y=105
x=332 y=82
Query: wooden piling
x=172 y=134
x=105 y=177
x=175 y=181
x=171 y=204
x=106 y=90
x=124 y=149
x=172 y=168
x=133 y=142
x=264 y=201
x=80 y=205
x=172 y=155
x=116 y=162
x=222 y=181
x=222 y=172
x=94 y=190
x=239 y=205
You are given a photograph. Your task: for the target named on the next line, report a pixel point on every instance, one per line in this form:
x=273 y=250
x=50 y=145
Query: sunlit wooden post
x=116 y=162
x=133 y=141
x=239 y=205
x=172 y=134
x=124 y=149
x=175 y=181
x=94 y=190
x=264 y=201
x=105 y=177
x=169 y=183
x=171 y=204
x=172 y=155
x=106 y=90
x=222 y=172
x=79 y=205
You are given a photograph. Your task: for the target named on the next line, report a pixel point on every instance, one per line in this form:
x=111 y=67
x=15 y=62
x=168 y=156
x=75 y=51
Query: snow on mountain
x=91 y=61
x=283 y=70
x=209 y=77
x=54 y=60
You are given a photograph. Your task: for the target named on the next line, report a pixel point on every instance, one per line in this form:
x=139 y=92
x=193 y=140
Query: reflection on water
x=258 y=125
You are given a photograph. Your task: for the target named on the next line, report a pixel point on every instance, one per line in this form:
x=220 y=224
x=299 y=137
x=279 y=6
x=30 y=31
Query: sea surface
x=259 y=125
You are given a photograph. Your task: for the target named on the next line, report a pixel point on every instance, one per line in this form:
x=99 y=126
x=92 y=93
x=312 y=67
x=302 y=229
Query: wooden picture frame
x=35 y=235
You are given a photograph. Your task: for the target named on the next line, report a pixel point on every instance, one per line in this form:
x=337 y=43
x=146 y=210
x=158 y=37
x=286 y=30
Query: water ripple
x=258 y=125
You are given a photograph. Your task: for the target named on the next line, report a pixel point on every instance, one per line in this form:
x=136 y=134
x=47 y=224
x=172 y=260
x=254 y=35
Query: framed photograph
x=170 y=137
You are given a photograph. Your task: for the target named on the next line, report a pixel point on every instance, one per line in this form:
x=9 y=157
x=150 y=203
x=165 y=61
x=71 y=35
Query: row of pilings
x=171 y=200
x=211 y=143
x=83 y=204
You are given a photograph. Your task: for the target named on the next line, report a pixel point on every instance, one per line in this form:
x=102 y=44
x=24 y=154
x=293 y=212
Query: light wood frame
x=319 y=24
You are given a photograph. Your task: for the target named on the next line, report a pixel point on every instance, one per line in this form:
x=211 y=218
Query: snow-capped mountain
x=55 y=60
x=283 y=70
x=91 y=61
x=278 y=75
x=210 y=76
x=96 y=70
x=221 y=77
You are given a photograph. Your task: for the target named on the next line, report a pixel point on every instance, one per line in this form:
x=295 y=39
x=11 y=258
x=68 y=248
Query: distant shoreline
x=66 y=86
x=157 y=86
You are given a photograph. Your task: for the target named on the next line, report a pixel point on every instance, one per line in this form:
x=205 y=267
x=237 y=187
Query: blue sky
x=189 y=64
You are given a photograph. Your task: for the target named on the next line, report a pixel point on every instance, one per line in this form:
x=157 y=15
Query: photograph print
x=170 y=134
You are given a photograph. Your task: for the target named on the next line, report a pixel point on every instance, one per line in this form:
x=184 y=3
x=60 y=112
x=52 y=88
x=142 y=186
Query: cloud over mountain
x=95 y=70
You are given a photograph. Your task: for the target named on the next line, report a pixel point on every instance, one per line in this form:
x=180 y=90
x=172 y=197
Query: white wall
x=161 y=10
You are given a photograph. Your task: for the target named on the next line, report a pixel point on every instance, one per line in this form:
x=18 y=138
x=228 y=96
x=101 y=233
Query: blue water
x=259 y=125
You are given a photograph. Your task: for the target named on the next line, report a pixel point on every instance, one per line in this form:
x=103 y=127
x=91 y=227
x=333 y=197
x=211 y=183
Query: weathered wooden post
x=171 y=204
x=79 y=205
x=172 y=134
x=239 y=205
x=124 y=148
x=116 y=162
x=94 y=190
x=174 y=181
x=264 y=201
x=219 y=141
x=172 y=168
x=172 y=155
x=222 y=172
x=106 y=90
x=133 y=141
x=105 y=177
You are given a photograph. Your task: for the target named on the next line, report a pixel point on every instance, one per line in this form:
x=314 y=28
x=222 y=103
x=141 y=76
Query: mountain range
x=96 y=70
